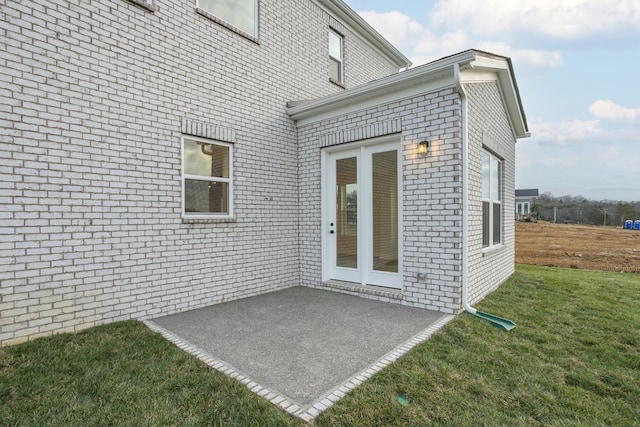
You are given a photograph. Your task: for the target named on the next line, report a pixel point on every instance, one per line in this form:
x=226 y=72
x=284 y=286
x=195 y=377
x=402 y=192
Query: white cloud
x=396 y=27
x=565 y=132
x=565 y=19
x=582 y=132
x=424 y=46
x=612 y=111
x=532 y=57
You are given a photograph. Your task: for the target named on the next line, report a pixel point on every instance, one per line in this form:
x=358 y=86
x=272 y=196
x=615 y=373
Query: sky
x=577 y=66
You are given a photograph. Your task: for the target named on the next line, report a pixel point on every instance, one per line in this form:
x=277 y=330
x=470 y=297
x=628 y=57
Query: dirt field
x=578 y=246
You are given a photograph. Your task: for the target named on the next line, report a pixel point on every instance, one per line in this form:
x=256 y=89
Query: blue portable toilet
x=637 y=225
x=628 y=224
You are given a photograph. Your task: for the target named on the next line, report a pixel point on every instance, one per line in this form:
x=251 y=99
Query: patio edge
x=307 y=414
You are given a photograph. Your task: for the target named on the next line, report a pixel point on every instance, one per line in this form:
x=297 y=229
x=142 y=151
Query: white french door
x=362 y=213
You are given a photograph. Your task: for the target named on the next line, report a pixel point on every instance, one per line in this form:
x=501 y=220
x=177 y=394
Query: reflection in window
x=242 y=14
x=385 y=211
x=207 y=177
x=335 y=56
x=347 y=212
x=491 y=200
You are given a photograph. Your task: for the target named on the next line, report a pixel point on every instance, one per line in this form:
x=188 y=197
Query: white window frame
x=492 y=202
x=340 y=60
x=228 y=181
x=253 y=33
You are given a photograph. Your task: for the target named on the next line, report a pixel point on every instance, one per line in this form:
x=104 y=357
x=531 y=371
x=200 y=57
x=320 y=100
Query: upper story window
x=242 y=14
x=491 y=200
x=207 y=177
x=147 y=4
x=336 y=57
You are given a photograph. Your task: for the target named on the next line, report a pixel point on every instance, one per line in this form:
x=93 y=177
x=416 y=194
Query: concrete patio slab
x=301 y=348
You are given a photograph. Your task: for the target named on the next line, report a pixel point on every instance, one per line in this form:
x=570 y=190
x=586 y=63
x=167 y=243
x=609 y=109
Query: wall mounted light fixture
x=423 y=148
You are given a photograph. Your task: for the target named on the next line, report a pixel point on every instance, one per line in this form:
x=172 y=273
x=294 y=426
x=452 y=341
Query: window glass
x=486 y=164
x=335 y=45
x=334 y=69
x=205 y=197
x=495 y=180
x=206 y=159
x=242 y=14
x=207 y=177
x=485 y=224
x=497 y=226
x=491 y=200
x=335 y=56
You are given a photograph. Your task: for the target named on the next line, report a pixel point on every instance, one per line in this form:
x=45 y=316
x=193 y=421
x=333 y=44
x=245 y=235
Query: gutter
x=505 y=324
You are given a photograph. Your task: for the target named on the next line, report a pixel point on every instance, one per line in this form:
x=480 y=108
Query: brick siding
x=489 y=127
x=431 y=193
x=95 y=98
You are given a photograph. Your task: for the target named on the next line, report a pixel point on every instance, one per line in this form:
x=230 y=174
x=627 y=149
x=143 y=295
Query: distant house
x=163 y=155
x=524 y=202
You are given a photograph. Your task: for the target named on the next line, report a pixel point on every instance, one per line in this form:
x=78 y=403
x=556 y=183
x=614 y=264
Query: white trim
x=229 y=181
x=340 y=60
x=491 y=201
x=474 y=66
x=363 y=151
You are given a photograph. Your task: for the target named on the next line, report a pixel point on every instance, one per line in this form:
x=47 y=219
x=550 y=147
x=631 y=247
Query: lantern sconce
x=423 y=148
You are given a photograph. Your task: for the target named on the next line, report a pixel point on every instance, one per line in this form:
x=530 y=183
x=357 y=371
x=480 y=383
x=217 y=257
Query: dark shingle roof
x=531 y=192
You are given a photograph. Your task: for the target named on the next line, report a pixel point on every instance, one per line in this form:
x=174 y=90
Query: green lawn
x=573 y=359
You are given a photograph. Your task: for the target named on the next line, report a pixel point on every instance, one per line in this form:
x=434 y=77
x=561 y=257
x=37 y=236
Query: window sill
x=145 y=5
x=337 y=83
x=208 y=219
x=493 y=250
x=227 y=25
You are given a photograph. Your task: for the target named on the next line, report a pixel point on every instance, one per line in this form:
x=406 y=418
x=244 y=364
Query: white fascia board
x=344 y=13
x=498 y=69
x=424 y=79
x=370 y=100
x=474 y=66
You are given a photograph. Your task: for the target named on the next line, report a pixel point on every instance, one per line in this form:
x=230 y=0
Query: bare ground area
x=578 y=246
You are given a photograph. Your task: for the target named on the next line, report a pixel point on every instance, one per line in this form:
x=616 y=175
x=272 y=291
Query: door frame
x=365 y=246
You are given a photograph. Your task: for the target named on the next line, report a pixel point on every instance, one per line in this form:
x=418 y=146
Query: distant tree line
x=579 y=210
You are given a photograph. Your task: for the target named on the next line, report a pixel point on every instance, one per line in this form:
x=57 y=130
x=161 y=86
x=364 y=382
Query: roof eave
x=503 y=67
x=412 y=77
x=432 y=76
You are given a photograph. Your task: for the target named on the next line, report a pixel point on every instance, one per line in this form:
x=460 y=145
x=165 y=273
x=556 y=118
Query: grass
x=574 y=359
x=121 y=375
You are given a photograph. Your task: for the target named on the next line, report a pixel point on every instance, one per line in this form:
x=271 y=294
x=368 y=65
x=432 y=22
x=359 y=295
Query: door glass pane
x=347 y=212
x=385 y=211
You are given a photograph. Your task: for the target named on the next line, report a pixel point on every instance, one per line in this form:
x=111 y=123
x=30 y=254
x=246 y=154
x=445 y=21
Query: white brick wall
x=489 y=127
x=94 y=98
x=431 y=192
